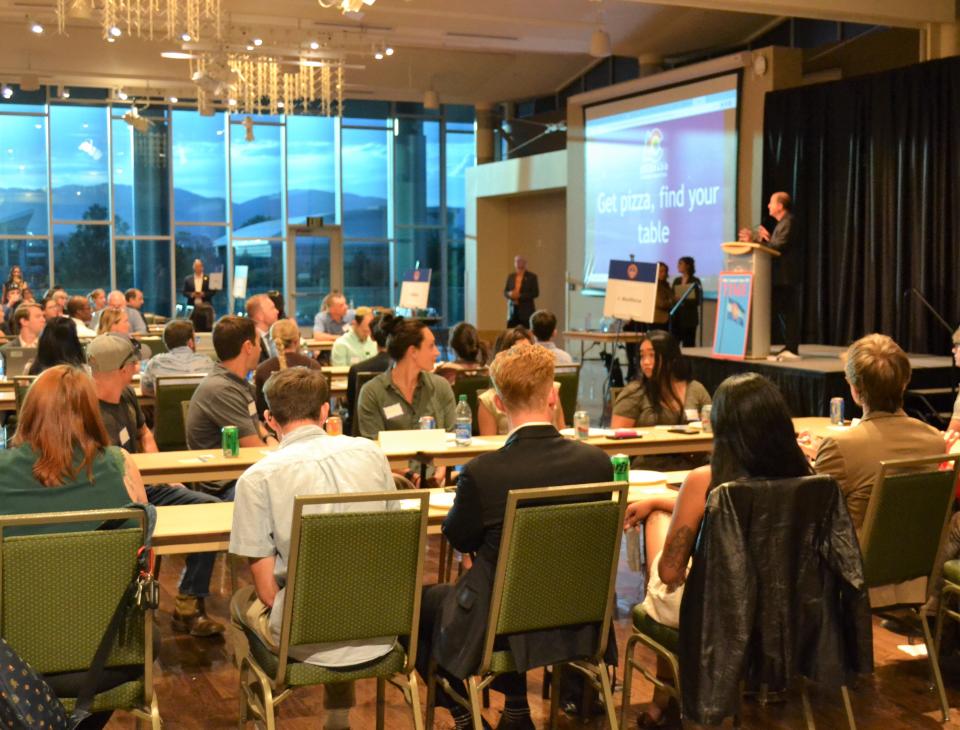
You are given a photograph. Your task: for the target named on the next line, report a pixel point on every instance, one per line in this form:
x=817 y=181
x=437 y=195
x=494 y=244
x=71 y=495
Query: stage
x=808 y=384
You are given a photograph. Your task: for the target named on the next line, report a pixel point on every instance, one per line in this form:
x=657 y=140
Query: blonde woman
x=285 y=336
x=114 y=321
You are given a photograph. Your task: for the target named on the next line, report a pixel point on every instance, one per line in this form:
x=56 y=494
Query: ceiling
x=467 y=51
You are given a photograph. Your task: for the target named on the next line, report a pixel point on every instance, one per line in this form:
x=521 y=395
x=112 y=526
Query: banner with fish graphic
x=733 y=315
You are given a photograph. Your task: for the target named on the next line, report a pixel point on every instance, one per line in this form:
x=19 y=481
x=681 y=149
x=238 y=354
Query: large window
x=120 y=207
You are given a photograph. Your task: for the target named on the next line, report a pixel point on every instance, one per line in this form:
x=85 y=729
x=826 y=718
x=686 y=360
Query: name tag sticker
x=124 y=436
x=394 y=411
x=252 y=408
x=692 y=414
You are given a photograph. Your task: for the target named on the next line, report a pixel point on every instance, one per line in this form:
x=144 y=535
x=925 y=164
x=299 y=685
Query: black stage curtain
x=873 y=164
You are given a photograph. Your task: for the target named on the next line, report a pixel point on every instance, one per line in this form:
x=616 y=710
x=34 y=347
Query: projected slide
x=661 y=178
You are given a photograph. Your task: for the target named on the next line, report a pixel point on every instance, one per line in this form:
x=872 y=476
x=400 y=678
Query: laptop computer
x=17 y=360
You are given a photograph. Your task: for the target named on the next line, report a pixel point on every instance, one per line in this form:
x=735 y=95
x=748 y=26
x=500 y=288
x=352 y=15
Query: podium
x=756 y=259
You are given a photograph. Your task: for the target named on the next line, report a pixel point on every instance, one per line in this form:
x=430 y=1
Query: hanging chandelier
x=255 y=84
x=187 y=20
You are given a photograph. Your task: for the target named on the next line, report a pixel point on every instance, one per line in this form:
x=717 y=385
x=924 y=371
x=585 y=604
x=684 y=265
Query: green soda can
x=621 y=467
x=230 y=439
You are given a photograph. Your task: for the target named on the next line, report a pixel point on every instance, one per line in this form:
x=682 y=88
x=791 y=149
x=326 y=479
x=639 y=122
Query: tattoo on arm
x=677 y=550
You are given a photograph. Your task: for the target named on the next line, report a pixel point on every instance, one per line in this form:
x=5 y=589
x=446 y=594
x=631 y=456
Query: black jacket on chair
x=776 y=590
x=534 y=456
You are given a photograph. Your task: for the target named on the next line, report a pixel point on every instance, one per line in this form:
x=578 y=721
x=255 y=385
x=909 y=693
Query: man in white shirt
x=355 y=345
x=543 y=323
x=78 y=309
x=307 y=462
x=134 y=302
x=263 y=313
x=181 y=357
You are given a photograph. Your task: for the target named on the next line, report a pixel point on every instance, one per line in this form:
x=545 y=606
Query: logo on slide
x=654 y=145
x=632 y=271
x=735 y=312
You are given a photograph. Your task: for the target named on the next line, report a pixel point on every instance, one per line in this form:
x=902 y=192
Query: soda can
x=581 y=424
x=705 y=418
x=230 y=440
x=621 y=467
x=334 y=426
x=427 y=422
x=836 y=411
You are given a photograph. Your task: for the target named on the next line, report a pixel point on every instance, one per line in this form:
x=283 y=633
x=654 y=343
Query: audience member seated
x=491 y=418
x=11 y=298
x=58 y=345
x=307 y=462
x=878 y=373
x=115 y=300
x=113 y=363
x=224 y=397
x=331 y=321
x=286 y=339
x=753 y=437
x=28 y=323
x=51 y=308
x=355 y=345
x=665 y=393
x=98 y=299
x=543 y=324
x=67 y=463
x=113 y=321
x=78 y=309
x=59 y=295
x=379 y=329
x=453 y=618
x=181 y=357
x=263 y=313
x=470 y=352
x=134 y=303
x=401 y=396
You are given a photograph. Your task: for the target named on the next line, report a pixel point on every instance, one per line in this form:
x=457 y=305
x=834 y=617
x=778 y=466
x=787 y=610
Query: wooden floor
x=197 y=681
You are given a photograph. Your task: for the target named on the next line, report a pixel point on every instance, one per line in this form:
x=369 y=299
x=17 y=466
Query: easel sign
x=240 y=281
x=415 y=289
x=734 y=292
x=631 y=291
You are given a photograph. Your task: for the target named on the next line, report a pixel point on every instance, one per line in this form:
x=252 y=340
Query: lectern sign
x=631 y=291
x=415 y=289
x=733 y=315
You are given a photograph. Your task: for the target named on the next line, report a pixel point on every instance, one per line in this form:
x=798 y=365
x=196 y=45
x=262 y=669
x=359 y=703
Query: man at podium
x=786 y=267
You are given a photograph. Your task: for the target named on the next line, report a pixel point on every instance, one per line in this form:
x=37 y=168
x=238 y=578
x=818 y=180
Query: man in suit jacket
x=453 y=619
x=787 y=267
x=521 y=290
x=196 y=289
x=878 y=372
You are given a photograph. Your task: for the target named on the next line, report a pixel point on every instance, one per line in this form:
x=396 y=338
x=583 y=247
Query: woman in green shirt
x=60 y=458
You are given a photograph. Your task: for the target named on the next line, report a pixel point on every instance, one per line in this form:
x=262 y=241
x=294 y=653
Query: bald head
x=116 y=300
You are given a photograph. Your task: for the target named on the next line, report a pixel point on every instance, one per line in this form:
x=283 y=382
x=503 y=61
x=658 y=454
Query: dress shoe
x=524 y=723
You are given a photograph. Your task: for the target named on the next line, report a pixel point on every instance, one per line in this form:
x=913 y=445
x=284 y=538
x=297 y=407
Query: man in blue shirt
x=181 y=358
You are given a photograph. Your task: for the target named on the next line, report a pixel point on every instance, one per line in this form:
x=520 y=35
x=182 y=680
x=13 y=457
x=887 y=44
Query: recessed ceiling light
x=6 y=92
x=232 y=102
x=115 y=31
x=258 y=42
x=176 y=54
x=35 y=27
x=111 y=39
x=378 y=54
x=314 y=46
x=174 y=100
x=280 y=105
x=249 y=47
x=388 y=50
x=186 y=37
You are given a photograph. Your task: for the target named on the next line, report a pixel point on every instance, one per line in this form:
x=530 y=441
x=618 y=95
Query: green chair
x=59 y=591
x=363 y=377
x=337 y=583
x=21 y=384
x=557 y=567
x=663 y=641
x=569 y=378
x=471 y=383
x=169 y=423
x=906 y=516
x=154 y=342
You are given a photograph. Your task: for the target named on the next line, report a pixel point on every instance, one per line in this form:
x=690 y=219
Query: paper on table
x=569 y=432
x=646 y=477
x=442 y=499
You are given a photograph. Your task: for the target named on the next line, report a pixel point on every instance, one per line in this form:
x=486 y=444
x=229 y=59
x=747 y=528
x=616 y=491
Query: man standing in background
x=521 y=289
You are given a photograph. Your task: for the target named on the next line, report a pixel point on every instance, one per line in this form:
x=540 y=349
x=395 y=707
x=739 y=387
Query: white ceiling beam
x=897 y=13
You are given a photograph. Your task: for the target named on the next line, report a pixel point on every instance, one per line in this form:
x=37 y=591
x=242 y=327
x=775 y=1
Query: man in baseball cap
x=113 y=361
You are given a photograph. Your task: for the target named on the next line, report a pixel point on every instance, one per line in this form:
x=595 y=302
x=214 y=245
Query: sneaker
x=788 y=355
x=190 y=617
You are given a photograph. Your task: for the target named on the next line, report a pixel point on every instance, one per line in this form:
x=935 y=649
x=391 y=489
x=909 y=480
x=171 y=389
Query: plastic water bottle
x=3 y=368
x=464 y=427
